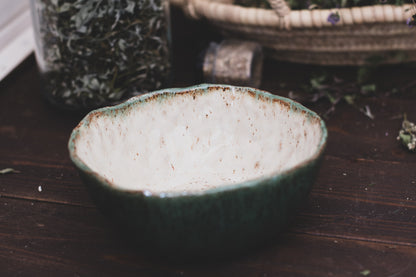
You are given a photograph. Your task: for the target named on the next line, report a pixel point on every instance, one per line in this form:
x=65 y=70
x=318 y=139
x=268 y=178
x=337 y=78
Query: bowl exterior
x=221 y=223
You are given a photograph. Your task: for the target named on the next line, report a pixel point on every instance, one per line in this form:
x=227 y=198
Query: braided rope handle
x=282 y=9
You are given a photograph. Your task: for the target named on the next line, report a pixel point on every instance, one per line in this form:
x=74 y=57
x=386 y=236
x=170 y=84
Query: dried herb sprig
x=336 y=90
x=407 y=134
x=365 y=272
x=8 y=170
x=94 y=52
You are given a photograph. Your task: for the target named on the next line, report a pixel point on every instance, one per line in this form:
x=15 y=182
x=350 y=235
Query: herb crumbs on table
x=8 y=170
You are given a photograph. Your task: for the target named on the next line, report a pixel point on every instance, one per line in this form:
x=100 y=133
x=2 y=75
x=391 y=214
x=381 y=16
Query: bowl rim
x=274 y=177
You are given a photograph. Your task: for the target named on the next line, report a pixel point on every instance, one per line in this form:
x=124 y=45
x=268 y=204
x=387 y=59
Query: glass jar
x=93 y=53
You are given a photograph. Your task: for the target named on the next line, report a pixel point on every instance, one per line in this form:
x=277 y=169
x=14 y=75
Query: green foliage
x=325 y=85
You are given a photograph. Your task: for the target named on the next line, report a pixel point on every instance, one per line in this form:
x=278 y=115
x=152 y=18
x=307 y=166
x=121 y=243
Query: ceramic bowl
x=200 y=170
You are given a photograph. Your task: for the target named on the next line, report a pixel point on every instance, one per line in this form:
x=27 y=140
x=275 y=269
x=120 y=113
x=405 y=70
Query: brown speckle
x=171 y=165
x=257 y=165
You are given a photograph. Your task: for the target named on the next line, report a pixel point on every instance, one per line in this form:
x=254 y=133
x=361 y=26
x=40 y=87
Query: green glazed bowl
x=199 y=171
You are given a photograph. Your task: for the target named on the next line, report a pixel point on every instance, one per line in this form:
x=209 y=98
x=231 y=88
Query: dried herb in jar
x=96 y=52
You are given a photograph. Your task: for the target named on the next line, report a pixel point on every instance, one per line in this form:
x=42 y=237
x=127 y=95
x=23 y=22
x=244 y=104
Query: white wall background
x=16 y=34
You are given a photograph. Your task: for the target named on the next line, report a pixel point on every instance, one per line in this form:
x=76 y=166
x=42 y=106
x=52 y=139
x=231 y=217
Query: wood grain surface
x=361 y=213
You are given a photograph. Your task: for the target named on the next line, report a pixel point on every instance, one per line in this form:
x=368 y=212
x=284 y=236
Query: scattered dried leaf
x=407 y=134
x=365 y=272
x=8 y=170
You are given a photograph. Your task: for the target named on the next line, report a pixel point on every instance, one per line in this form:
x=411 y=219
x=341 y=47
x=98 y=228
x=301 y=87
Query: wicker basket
x=305 y=36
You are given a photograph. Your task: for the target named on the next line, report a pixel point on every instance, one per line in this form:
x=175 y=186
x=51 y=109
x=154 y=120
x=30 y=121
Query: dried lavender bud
x=96 y=52
x=333 y=18
x=411 y=21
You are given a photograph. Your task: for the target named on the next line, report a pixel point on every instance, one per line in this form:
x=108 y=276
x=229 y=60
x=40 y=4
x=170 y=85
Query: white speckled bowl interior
x=197 y=139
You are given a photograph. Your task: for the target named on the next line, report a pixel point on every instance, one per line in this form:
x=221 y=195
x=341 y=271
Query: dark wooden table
x=360 y=217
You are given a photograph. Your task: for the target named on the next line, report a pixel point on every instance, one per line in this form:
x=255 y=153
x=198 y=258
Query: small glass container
x=233 y=62
x=93 y=53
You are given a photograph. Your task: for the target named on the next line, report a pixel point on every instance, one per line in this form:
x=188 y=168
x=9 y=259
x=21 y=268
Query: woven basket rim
x=316 y=18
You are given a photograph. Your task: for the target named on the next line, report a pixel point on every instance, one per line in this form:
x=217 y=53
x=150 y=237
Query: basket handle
x=280 y=7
